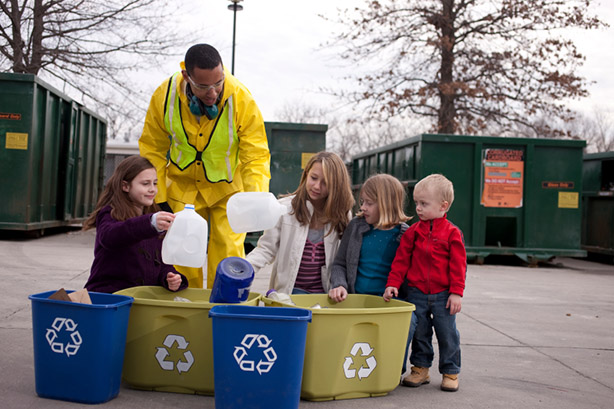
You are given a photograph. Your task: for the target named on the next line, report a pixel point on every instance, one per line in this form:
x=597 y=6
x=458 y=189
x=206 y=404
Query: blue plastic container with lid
x=258 y=356
x=79 y=348
x=233 y=279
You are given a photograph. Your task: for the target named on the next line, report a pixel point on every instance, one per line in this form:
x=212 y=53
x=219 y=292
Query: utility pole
x=235 y=6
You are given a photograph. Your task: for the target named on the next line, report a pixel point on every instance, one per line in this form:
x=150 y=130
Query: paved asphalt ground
x=531 y=337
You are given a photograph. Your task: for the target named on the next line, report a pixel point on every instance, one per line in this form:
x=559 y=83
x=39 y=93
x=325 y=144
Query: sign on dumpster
x=502 y=183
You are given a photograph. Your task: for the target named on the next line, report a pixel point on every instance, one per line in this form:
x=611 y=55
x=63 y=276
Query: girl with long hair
x=303 y=244
x=129 y=228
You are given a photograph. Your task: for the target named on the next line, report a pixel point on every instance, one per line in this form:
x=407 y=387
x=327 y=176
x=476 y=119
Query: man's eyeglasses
x=207 y=88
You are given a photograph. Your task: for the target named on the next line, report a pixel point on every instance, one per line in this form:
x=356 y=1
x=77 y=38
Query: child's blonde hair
x=390 y=196
x=438 y=185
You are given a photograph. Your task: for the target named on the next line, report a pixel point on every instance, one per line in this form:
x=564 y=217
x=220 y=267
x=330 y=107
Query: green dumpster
x=513 y=196
x=51 y=155
x=598 y=203
x=291 y=146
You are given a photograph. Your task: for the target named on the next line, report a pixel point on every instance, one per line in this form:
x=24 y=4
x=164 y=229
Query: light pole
x=235 y=6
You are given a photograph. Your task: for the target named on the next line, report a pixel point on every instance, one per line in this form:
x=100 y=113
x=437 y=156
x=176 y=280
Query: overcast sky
x=279 y=58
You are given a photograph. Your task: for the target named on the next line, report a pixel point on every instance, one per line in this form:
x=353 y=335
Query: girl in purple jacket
x=129 y=229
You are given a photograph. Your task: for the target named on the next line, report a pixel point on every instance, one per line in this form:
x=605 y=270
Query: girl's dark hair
x=340 y=199
x=122 y=208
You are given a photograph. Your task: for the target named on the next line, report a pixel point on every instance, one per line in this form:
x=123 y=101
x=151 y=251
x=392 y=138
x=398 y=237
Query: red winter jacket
x=433 y=258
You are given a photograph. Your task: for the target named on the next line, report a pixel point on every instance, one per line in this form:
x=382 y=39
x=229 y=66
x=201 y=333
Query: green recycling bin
x=355 y=348
x=169 y=340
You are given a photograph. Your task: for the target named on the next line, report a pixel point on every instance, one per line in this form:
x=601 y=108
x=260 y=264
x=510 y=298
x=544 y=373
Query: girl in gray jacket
x=370 y=241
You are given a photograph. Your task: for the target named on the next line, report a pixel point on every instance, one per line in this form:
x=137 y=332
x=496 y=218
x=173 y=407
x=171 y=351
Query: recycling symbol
x=363 y=372
x=268 y=352
x=182 y=344
x=70 y=327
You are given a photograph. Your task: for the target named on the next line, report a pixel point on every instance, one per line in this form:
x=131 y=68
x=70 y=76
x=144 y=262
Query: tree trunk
x=17 y=40
x=447 y=109
x=37 y=38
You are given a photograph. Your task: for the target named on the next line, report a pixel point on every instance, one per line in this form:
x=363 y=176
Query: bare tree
x=90 y=46
x=301 y=112
x=467 y=65
x=597 y=128
x=352 y=136
x=347 y=135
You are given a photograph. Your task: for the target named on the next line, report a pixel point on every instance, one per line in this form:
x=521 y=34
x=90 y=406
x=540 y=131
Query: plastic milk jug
x=253 y=211
x=185 y=243
x=233 y=279
x=281 y=297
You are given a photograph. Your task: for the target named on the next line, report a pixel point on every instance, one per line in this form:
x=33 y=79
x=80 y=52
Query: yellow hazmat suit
x=191 y=185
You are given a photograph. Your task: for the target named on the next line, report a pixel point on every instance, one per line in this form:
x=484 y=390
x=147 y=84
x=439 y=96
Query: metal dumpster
x=513 y=196
x=598 y=203
x=291 y=146
x=51 y=155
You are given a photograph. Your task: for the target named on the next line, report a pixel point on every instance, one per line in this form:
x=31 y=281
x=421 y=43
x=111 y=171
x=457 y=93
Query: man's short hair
x=202 y=56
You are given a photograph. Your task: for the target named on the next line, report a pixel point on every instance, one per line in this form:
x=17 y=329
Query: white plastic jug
x=253 y=211
x=281 y=297
x=185 y=243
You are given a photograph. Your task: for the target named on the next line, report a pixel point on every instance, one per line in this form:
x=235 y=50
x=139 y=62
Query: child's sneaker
x=417 y=377
x=449 y=383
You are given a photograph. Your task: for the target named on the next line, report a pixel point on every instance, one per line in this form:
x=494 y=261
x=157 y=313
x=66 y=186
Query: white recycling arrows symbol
x=248 y=365
x=363 y=372
x=69 y=326
x=162 y=353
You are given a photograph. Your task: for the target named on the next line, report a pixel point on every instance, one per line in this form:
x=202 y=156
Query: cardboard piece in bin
x=81 y=296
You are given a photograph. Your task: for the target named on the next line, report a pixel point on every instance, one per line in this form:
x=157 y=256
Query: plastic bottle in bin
x=253 y=211
x=281 y=297
x=185 y=243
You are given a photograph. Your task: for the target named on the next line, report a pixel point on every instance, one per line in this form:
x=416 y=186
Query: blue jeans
x=431 y=312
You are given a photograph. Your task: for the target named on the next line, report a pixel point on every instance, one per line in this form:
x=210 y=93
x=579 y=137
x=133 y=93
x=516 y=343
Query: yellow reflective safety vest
x=220 y=157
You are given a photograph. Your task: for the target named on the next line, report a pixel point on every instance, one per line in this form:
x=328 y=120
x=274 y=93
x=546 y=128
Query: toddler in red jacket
x=432 y=262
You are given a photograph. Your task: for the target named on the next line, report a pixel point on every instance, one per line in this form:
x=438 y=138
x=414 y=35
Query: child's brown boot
x=449 y=383
x=417 y=377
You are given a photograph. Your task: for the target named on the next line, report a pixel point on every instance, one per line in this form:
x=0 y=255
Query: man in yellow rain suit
x=205 y=135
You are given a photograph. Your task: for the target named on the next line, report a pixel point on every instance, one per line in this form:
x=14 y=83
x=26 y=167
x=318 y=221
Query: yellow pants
x=223 y=242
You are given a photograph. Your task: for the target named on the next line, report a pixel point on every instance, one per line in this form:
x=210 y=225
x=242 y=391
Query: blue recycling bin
x=258 y=356
x=79 y=348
